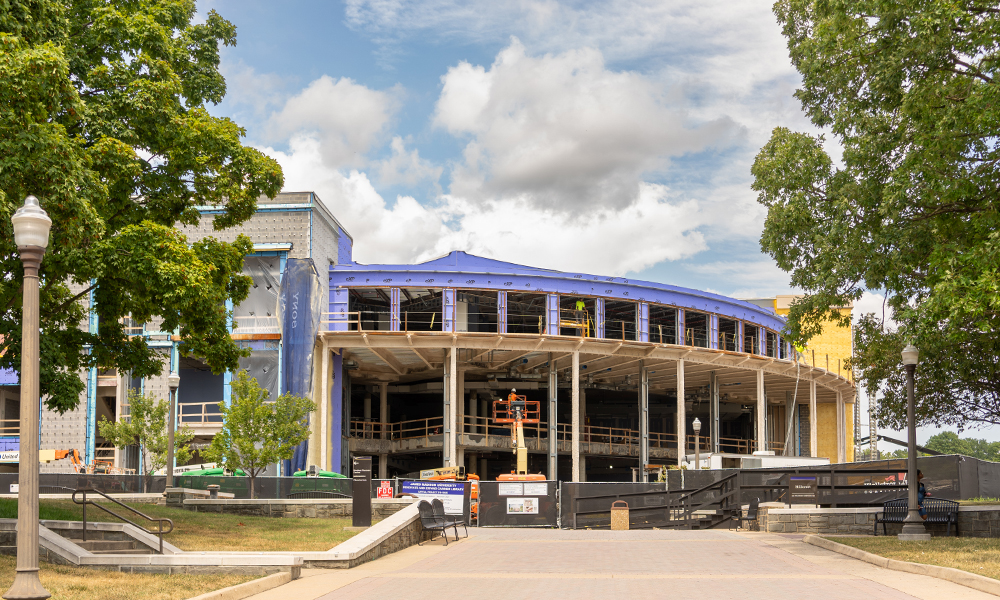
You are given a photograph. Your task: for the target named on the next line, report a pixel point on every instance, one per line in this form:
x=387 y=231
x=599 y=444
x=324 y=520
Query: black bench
x=938 y=510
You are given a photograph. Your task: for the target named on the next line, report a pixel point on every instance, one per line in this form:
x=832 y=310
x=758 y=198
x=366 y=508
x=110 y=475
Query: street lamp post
x=31 y=234
x=697 y=442
x=173 y=380
x=913 y=525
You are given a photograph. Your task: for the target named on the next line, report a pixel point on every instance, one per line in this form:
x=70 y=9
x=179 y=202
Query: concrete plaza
x=546 y=563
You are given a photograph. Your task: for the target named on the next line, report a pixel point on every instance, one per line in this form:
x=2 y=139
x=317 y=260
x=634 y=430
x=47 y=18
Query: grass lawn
x=979 y=501
x=87 y=584
x=975 y=555
x=213 y=531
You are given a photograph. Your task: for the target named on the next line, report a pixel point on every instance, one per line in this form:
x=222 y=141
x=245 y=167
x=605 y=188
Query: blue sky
x=609 y=138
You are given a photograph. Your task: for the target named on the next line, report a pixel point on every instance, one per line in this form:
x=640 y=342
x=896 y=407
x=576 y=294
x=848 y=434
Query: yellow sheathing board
x=826 y=430
x=849 y=412
x=836 y=342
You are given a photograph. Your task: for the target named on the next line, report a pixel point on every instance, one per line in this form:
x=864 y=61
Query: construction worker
x=580 y=308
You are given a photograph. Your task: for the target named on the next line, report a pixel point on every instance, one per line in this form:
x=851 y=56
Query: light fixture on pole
x=173 y=381
x=31 y=235
x=913 y=525
x=696 y=426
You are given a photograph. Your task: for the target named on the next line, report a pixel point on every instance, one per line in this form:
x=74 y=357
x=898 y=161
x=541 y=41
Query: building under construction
x=404 y=360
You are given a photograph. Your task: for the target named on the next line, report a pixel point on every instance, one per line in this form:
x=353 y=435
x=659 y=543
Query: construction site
x=406 y=361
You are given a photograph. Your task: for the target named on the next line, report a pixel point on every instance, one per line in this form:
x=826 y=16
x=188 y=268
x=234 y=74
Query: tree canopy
x=256 y=432
x=907 y=91
x=103 y=117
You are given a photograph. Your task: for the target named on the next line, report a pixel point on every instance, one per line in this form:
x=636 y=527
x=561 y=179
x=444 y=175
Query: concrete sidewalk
x=546 y=563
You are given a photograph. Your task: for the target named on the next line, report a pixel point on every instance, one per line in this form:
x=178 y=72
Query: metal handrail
x=159 y=532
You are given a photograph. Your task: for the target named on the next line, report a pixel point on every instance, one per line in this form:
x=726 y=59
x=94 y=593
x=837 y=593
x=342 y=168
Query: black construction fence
x=518 y=504
x=871 y=483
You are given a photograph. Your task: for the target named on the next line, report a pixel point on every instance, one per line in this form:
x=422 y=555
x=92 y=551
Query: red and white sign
x=385 y=489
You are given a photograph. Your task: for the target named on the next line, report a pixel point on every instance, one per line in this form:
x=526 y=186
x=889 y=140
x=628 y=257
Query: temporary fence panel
x=454 y=495
x=518 y=504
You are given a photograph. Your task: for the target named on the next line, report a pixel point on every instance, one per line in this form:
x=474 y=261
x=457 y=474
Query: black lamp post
x=913 y=526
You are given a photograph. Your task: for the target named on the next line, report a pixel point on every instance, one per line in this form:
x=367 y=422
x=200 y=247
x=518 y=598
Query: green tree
x=948 y=442
x=907 y=91
x=256 y=432
x=103 y=117
x=146 y=427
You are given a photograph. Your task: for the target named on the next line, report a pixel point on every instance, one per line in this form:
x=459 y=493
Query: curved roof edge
x=463 y=262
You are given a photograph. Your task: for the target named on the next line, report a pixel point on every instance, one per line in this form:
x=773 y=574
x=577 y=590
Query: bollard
x=619 y=516
x=213 y=492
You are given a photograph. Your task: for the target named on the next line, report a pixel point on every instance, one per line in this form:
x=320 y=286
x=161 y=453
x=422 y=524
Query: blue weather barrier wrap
x=300 y=305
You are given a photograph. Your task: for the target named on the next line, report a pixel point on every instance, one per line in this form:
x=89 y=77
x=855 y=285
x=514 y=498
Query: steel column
x=553 y=419
x=642 y=321
x=501 y=312
x=761 y=413
x=575 y=399
x=813 y=442
x=681 y=415
x=713 y=382
x=643 y=419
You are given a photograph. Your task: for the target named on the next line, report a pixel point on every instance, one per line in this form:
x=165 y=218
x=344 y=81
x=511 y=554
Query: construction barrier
x=518 y=504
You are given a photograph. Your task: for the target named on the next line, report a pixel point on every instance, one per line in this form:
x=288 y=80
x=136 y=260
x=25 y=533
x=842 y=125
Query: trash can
x=619 y=515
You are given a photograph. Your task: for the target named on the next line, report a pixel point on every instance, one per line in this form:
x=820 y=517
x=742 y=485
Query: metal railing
x=423 y=428
x=199 y=413
x=159 y=531
x=255 y=324
x=10 y=427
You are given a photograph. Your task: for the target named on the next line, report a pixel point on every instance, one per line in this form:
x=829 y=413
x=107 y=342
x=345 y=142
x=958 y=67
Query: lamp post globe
x=696 y=426
x=31 y=235
x=913 y=525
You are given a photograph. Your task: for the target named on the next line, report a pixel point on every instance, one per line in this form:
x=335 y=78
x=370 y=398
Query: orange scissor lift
x=516 y=411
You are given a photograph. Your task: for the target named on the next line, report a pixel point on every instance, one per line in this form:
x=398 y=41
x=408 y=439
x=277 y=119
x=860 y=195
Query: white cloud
x=753 y=278
x=563 y=132
x=406 y=167
x=349 y=118
x=605 y=241
x=873 y=303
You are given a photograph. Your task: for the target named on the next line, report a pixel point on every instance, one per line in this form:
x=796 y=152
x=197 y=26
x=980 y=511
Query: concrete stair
x=112 y=546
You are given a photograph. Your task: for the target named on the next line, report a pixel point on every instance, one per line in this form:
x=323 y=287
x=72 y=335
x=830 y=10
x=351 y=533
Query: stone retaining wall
x=973 y=521
x=299 y=508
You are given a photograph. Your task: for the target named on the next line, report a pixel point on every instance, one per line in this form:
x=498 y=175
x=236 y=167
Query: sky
x=606 y=138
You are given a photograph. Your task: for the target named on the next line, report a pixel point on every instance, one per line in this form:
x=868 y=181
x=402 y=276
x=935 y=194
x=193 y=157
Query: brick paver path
x=544 y=564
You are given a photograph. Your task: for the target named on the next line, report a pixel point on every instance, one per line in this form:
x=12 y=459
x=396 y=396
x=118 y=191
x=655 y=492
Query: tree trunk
x=252 y=478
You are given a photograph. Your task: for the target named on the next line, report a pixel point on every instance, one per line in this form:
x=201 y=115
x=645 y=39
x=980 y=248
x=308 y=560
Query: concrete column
x=575 y=399
x=585 y=435
x=324 y=408
x=460 y=399
x=813 y=442
x=553 y=419
x=446 y=448
x=841 y=429
x=482 y=468
x=368 y=406
x=643 y=419
x=474 y=411
x=761 y=413
x=454 y=399
x=383 y=466
x=460 y=418
x=789 y=424
x=383 y=409
x=713 y=382
x=681 y=415
x=484 y=409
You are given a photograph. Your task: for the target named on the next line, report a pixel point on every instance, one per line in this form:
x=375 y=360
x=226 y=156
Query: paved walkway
x=546 y=563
